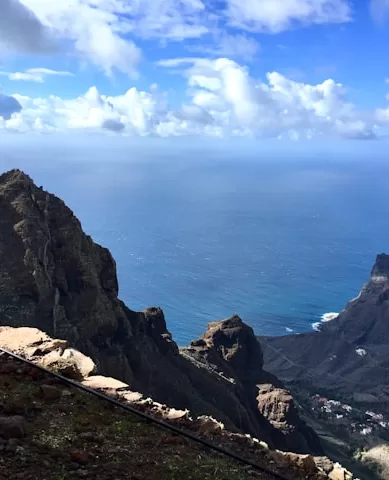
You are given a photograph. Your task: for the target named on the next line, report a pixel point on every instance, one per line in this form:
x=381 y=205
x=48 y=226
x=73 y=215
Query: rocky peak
x=232 y=346
x=380 y=271
x=232 y=350
x=15 y=176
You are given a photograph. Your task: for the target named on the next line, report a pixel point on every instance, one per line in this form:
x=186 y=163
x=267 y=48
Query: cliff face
x=350 y=354
x=55 y=278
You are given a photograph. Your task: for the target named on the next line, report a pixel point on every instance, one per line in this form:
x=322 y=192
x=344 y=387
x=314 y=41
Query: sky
x=258 y=69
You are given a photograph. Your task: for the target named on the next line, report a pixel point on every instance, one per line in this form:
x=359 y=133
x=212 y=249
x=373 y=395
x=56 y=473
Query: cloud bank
x=222 y=99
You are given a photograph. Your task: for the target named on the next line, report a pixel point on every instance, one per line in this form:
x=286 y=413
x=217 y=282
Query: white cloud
x=227 y=45
x=223 y=100
x=35 y=74
x=95 y=29
x=169 y=19
x=382 y=114
x=279 y=106
x=21 y=31
x=103 y=31
x=274 y=16
x=379 y=10
x=177 y=62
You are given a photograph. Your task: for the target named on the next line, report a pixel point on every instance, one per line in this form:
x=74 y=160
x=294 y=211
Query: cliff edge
x=50 y=429
x=55 y=278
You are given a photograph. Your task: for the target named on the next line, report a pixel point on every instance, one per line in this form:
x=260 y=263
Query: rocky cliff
x=349 y=355
x=55 y=278
x=231 y=350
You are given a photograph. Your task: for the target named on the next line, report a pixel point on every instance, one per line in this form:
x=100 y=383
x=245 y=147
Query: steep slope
x=50 y=429
x=350 y=355
x=55 y=278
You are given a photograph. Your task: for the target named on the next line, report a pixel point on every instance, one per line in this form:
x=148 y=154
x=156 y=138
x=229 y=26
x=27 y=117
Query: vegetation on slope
x=51 y=432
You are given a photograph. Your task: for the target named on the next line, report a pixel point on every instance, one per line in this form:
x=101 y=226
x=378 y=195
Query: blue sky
x=259 y=68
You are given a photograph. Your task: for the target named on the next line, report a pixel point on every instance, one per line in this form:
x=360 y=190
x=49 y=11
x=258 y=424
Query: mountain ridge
x=348 y=354
x=55 y=278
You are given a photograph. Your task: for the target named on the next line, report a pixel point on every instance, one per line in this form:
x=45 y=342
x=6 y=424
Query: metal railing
x=149 y=418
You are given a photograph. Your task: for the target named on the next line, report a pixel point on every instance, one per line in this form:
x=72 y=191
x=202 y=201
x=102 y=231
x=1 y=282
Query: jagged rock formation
x=55 y=278
x=31 y=390
x=230 y=348
x=349 y=355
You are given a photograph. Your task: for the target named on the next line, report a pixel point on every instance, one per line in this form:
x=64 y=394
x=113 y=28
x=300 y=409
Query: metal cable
x=145 y=416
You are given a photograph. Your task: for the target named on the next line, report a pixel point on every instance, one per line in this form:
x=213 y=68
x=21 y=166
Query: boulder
x=340 y=473
x=85 y=364
x=69 y=363
x=19 y=340
x=99 y=382
x=12 y=426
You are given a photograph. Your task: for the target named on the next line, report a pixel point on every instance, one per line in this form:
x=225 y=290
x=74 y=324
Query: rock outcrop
x=55 y=278
x=349 y=355
x=232 y=351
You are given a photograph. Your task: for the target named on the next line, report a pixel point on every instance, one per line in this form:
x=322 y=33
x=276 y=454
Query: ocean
x=280 y=241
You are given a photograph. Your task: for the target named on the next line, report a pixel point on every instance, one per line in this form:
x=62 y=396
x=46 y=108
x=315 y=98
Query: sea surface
x=280 y=241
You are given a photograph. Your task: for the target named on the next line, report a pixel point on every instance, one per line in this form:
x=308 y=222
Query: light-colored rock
x=70 y=363
x=339 y=473
x=66 y=368
x=52 y=353
x=17 y=340
x=379 y=457
x=85 y=364
x=56 y=344
x=324 y=463
x=173 y=414
x=131 y=397
x=104 y=383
